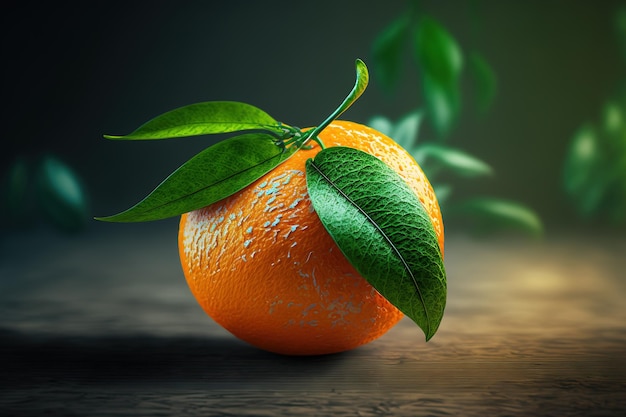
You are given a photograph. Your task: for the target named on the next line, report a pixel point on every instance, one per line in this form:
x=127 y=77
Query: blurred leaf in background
x=594 y=172
x=388 y=51
x=484 y=81
x=485 y=214
x=594 y=169
x=441 y=65
x=441 y=62
x=49 y=189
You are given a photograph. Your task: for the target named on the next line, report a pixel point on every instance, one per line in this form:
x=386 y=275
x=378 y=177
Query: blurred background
x=75 y=73
x=515 y=109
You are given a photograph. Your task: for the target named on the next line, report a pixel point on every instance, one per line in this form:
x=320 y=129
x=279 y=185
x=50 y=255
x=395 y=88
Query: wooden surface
x=103 y=324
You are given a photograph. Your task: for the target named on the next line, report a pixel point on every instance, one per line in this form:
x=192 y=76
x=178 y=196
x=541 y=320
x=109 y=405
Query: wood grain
x=103 y=324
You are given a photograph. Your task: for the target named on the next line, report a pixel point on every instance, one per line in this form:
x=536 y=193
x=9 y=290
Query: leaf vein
x=382 y=232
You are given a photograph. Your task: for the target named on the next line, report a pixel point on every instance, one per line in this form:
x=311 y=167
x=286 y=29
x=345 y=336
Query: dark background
x=73 y=73
x=102 y=323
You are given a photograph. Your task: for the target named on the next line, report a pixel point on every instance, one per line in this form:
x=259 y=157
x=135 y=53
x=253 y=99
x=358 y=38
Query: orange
x=262 y=265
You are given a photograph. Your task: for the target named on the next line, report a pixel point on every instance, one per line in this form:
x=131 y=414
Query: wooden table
x=103 y=324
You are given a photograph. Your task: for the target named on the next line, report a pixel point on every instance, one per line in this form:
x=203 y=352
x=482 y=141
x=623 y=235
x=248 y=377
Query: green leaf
x=613 y=118
x=438 y=53
x=212 y=175
x=61 y=195
x=406 y=129
x=387 y=52
x=485 y=82
x=594 y=169
x=203 y=119
x=496 y=213
x=441 y=61
x=360 y=84
x=452 y=159
x=442 y=103
x=581 y=159
x=381 y=124
x=382 y=228
x=583 y=168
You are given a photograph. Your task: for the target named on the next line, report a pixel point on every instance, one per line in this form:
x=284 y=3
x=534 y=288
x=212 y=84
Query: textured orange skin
x=261 y=264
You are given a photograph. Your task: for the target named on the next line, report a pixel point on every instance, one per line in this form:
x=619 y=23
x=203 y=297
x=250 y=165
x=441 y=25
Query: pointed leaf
x=203 y=119
x=405 y=130
x=382 y=228
x=497 y=213
x=485 y=82
x=361 y=81
x=387 y=52
x=442 y=103
x=452 y=159
x=438 y=53
x=61 y=195
x=212 y=175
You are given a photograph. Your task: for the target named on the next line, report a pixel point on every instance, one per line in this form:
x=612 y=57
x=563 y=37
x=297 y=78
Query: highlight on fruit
x=375 y=216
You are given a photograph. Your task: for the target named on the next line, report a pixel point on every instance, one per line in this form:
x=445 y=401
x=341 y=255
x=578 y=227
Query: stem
x=319 y=141
x=362 y=79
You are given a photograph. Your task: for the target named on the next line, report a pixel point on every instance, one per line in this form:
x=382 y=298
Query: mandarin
x=262 y=265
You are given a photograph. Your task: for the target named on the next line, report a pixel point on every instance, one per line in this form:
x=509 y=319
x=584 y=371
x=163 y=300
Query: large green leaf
x=61 y=195
x=452 y=159
x=215 y=173
x=203 y=119
x=494 y=213
x=387 y=52
x=382 y=228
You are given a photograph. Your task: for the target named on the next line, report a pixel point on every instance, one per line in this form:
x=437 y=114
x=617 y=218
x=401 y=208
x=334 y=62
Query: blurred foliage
x=594 y=170
x=48 y=189
x=441 y=64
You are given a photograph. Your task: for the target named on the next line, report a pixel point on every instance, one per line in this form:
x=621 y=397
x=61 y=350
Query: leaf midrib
x=141 y=131
x=170 y=202
x=382 y=232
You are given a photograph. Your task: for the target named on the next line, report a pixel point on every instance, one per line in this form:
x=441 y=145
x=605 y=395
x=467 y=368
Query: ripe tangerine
x=262 y=265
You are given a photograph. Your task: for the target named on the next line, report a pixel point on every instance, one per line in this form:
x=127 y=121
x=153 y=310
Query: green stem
x=362 y=79
x=319 y=141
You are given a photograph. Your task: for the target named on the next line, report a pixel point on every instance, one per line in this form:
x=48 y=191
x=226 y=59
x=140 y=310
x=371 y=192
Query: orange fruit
x=262 y=265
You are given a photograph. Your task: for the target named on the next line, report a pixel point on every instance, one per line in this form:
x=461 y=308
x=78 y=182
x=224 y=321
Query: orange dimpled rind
x=261 y=264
